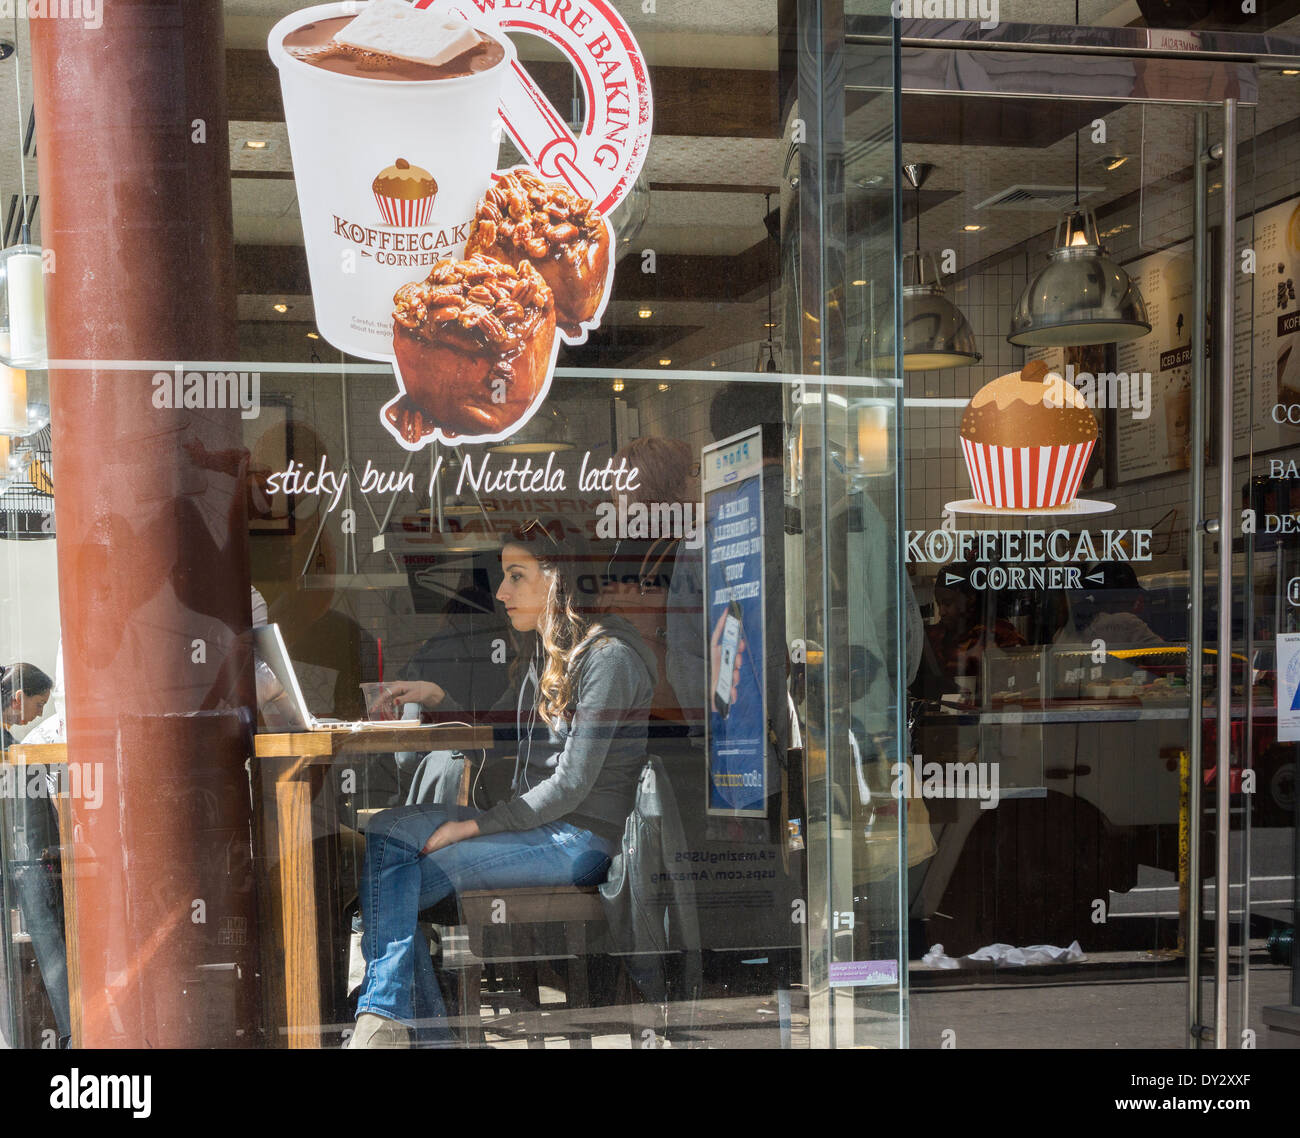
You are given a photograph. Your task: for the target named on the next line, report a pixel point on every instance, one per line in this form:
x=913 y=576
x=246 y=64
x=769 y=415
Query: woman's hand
x=424 y=692
x=449 y=833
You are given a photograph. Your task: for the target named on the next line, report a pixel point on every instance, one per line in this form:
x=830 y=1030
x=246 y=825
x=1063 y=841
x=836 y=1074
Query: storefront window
x=592 y=525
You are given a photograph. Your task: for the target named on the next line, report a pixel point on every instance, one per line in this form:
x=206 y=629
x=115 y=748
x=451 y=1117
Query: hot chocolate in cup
x=390 y=159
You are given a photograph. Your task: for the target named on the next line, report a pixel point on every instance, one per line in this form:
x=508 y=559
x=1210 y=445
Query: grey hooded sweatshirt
x=585 y=770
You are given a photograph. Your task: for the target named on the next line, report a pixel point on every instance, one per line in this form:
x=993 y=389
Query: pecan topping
x=482 y=296
x=540 y=218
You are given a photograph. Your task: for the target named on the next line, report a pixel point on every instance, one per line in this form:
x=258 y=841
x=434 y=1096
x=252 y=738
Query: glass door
x=1063 y=211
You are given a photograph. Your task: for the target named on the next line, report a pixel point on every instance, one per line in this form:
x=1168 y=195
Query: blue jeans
x=37 y=887
x=397 y=883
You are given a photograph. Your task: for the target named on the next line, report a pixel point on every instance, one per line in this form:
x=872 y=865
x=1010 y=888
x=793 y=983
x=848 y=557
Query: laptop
x=280 y=701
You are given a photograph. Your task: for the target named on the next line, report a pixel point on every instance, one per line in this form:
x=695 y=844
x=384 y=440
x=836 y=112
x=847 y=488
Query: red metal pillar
x=149 y=510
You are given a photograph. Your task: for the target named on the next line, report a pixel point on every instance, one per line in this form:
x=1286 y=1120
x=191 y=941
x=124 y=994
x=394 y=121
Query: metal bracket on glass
x=1209 y=525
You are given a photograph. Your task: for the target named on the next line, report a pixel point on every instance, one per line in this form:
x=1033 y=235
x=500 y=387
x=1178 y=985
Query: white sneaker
x=379 y=1031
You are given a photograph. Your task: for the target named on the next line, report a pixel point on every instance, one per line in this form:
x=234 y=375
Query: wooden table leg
x=298 y=894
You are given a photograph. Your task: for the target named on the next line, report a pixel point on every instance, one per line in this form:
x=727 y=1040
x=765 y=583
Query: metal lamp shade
x=545 y=432
x=1080 y=297
x=936 y=333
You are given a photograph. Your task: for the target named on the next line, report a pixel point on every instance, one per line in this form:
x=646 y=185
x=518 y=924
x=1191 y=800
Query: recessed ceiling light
x=617 y=385
x=645 y=313
x=255 y=143
x=1114 y=161
x=663 y=387
x=313 y=335
x=972 y=228
x=713 y=363
x=859 y=284
x=664 y=363
x=281 y=307
x=1290 y=71
x=769 y=324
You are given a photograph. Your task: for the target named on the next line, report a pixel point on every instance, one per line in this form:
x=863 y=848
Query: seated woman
x=590 y=681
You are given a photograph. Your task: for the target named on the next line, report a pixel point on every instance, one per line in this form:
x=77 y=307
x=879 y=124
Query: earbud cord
x=527 y=753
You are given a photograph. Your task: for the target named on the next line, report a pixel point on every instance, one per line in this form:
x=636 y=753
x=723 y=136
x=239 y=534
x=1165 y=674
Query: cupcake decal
x=405 y=194
x=1027 y=438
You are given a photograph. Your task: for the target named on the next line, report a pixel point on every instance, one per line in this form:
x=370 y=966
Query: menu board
x=1264 y=419
x=1265 y=413
x=1156 y=437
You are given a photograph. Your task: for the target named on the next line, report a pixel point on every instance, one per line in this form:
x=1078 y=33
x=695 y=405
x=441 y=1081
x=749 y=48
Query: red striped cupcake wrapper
x=1026 y=478
x=407 y=213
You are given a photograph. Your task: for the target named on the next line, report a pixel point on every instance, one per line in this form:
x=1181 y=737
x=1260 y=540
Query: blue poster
x=1288 y=687
x=736 y=695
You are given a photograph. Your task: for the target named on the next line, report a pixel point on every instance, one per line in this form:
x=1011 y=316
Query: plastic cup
x=380 y=703
x=343 y=131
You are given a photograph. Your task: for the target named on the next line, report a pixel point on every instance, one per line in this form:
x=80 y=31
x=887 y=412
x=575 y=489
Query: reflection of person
x=638 y=580
x=24 y=690
x=961 y=635
x=1110 y=610
x=459 y=656
x=594 y=680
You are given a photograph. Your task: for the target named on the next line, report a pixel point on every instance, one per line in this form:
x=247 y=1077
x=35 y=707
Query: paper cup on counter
x=352 y=139
x=1026 y=478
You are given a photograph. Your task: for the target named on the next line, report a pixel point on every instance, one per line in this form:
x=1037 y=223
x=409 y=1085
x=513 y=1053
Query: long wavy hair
x=569 y=620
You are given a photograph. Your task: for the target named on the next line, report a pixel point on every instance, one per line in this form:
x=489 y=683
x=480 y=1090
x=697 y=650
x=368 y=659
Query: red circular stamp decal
x=601 y=162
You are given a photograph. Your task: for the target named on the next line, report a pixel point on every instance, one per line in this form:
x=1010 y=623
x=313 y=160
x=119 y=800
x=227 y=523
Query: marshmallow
x=393 y=27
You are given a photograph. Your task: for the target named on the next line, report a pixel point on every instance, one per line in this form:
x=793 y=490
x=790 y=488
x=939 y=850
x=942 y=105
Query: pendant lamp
x=22 y=296
x=936 y=334
x=546 y=431
x=1082 y=296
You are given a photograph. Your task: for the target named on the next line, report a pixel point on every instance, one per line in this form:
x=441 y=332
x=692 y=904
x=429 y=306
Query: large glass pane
x=1051 y=744
x=296 y=528
x=844 y=529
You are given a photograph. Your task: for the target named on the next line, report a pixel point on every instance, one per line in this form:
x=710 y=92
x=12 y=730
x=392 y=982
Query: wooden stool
x=518 y=910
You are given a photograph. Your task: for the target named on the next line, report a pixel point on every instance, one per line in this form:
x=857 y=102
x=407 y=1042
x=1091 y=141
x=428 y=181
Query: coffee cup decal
x=394 y=113
x=390 y=157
